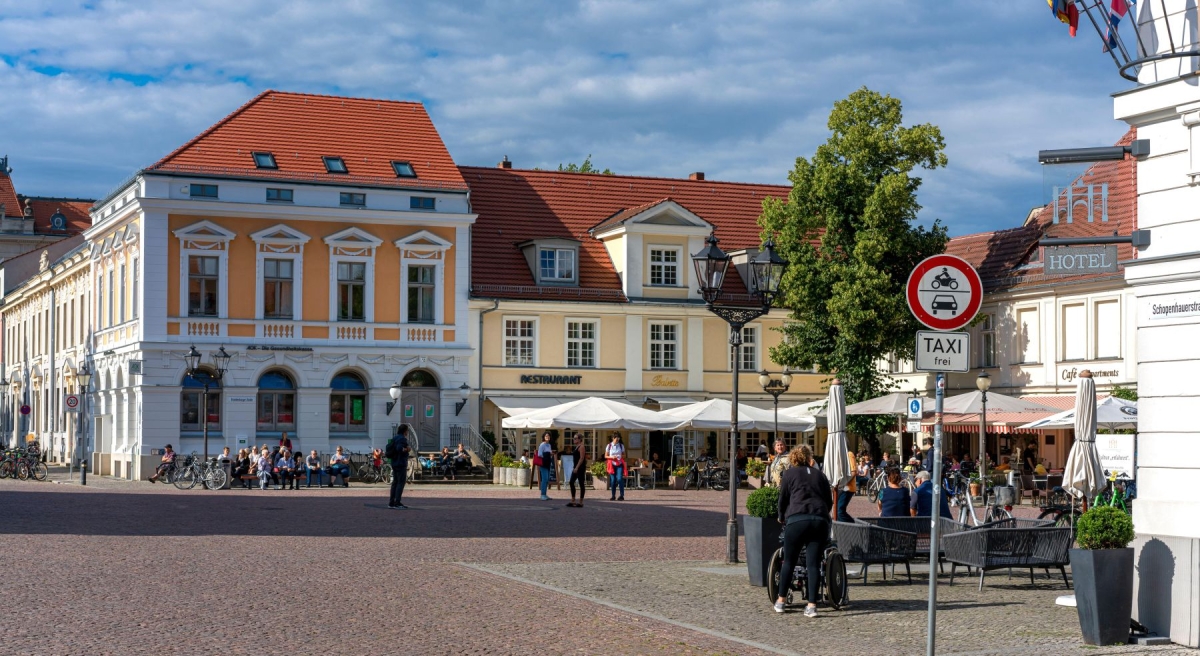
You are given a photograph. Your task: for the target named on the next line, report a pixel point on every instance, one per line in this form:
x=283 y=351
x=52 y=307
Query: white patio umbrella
x=714 y=414
x=837 y=469
x=972 y=403
x=1111 y=413
x=815 y=410
x=594 y=413
x=895 y=403
x=1083 y=475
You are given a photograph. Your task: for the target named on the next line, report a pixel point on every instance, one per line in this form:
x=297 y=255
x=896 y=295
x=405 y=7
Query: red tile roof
x=74 y=209
x=299 y=129
x=518 y=205
x=8 y=196
x=999 y=256
x=626 y=214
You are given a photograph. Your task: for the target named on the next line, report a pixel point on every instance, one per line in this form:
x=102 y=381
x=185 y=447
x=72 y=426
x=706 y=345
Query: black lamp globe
x=711 y=263
x=221 y=360
x=193 y=360
x=766 y=269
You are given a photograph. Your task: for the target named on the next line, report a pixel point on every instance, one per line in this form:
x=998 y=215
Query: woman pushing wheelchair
x=805 y=500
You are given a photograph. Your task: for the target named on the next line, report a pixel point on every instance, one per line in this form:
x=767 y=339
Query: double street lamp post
x=766 y=270
x=83 y=378
x=206 y=378
x=775 y=387
x=983 y=382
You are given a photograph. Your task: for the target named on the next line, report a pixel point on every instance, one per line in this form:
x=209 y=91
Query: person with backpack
x=396 y=452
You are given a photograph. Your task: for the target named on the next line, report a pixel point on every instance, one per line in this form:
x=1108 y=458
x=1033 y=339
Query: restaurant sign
x=1076 y=260
x=1116 y=453
x=542 y=379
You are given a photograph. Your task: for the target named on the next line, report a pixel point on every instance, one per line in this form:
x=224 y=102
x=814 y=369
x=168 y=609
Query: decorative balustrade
x=423 y=334
x=204 y=328
x=278 y=330
x=283 y=331
x=352 y=332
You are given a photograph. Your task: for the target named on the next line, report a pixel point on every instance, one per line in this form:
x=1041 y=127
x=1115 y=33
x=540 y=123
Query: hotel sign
x=542 y=379
x=1076 y=260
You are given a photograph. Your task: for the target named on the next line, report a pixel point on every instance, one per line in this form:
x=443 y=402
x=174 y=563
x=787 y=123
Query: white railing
x=277 y=330
x=466 y=435
x=285 y=331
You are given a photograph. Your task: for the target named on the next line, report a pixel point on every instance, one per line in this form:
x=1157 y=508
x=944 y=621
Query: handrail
x=473 y=441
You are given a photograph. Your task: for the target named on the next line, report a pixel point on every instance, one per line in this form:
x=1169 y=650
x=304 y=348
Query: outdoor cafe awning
x=668 y=402
x=516 y=405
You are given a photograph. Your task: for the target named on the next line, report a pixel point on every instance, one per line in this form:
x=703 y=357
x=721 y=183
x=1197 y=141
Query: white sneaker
x=810 y=611
x=545 y=498
x=779 y=607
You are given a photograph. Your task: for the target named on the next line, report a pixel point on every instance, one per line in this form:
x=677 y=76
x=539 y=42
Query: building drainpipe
x=495 y=306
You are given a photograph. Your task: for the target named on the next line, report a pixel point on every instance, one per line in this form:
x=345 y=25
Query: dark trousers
x=807 y=533
x=577 y=475
x=843 y=506
x=398 y=480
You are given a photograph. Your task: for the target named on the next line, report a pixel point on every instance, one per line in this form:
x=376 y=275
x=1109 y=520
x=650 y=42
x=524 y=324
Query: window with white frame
x=1108 y=329
x=121 y=316
x=556 y=264
x=519 y=337
x=749 y=349
x=987 y=341
x=277 y=288
x=664 y=267
x=111 y=303
x=203 y=279
x=421 y=293
x=581 y=343
x=1074 y=332
x=1029 y=344
x=100 y=303
x=136 y=297
x=664 y=346
x=352 y=291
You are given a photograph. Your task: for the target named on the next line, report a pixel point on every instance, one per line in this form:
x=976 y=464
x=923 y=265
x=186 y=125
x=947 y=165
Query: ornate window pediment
x=423 y=245
x=280 y=239
x=354 y=242
x=205 y=235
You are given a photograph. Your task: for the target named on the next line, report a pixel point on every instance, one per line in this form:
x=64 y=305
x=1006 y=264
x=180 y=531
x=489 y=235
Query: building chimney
x=698 y=175
x=505 y=164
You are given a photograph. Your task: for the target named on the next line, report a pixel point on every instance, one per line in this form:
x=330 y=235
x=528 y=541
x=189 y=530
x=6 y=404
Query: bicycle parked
x=24 y=464
x=957 y=488
x=706 y=472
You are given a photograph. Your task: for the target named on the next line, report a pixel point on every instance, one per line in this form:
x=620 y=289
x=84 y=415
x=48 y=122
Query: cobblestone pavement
x=118 y=567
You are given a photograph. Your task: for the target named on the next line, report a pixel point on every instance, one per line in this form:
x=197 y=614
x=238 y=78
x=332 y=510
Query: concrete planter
x=510 y=475
x=1103 y=594
x=676 y=482
x=600 y=482
x=754 y=482
x=497 y=476
x=522 y=477
x=762 y=539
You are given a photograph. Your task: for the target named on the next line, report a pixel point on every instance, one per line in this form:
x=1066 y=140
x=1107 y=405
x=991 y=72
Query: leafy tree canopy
x=586 y=167
x=848 y=231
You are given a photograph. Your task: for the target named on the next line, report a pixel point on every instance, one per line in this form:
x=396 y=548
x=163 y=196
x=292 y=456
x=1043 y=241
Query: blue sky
x=94 y=91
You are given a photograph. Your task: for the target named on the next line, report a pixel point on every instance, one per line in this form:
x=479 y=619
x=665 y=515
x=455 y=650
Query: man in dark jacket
x=927 y=457
x=922 y=500
x=397 y=453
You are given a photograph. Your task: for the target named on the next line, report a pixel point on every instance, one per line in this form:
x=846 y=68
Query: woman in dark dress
x=893 y=498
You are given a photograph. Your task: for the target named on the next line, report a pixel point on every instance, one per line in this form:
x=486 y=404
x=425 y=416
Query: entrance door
x=420 y=407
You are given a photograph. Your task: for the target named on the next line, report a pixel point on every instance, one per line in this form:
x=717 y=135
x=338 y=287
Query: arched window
x=419 y=378
x=348 y=404
x=276 y=402
x=190 y=399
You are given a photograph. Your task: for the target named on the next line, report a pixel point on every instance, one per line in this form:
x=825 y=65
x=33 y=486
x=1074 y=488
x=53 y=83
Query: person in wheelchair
x=805 y=500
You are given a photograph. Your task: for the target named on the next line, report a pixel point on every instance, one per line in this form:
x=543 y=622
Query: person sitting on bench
x=168 y=463
x=339 y=465
x=285 y=466
x=241 y=467
x=446 y=463
x=264 y=469
x=313 y=465
x=462 y=459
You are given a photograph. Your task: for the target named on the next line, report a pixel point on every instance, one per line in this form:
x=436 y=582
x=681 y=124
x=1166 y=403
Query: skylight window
x=404 y=170
x=334 y=164
x=264 y=160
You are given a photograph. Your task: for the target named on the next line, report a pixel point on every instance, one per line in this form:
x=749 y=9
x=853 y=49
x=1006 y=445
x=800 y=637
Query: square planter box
x=600 y=482
x=754 y=482
x=762 y=540
x=1103 y=594
x=676 y=482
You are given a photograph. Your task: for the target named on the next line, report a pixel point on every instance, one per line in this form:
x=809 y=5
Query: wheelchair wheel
x=773 y=575
x=835 y=579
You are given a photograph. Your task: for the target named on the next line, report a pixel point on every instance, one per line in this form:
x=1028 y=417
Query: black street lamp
x=83 y=378
x=766 y=270
x=983 y=383
x=775 y=387
x=221 y=364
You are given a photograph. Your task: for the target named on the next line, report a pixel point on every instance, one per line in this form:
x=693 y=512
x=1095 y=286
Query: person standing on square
x=397 y=453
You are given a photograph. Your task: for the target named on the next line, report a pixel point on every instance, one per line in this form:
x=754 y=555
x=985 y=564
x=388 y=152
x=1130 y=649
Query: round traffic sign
x=944 y=292
x=25 y=409
x=72 y=401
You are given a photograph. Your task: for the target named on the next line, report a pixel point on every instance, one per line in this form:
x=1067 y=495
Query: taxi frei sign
x=944 y=292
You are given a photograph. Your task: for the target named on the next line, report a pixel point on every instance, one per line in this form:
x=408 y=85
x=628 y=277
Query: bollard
x=83 y=472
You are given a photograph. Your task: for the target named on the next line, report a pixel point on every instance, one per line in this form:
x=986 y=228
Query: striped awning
x=997 y=422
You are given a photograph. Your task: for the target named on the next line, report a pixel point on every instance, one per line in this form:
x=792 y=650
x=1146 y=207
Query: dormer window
x=404 y=170
x=334 y=164
x=552 y=260
x=264 y=160
x=557 y=264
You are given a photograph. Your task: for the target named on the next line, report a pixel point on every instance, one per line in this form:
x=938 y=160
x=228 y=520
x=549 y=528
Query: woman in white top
x=614 y=453
x=546 y=453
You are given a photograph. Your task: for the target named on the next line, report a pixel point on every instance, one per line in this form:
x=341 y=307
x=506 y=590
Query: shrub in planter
x=521 y=474
x=762 y=531
x=599 y=472
x=677 y=476
x=1102 y=567
x=756 y=468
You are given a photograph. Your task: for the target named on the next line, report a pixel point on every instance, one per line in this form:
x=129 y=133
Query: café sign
x=1076 y=260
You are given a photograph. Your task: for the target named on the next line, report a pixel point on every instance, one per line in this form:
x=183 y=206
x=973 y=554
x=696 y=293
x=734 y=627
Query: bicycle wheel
x=773 y=571
x=39 y=471
x=7 y=469
x=387 y=474
x=692 y=481
x=996 y=514
x=185 y=479
x=873 y=494
x=23 y=471
x=835 y=580
x=366 y=474
x=216 y=479
x=1061 y=518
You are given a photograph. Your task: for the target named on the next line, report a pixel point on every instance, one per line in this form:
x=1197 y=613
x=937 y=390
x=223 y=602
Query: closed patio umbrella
x=1083 y=475
x=837 y=469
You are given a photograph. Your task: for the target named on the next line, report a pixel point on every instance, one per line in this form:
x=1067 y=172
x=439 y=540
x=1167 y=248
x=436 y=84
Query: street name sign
x=944 y=292
x=938 y=351
x=912 y=427
x=1075 y=260
x=915 y=410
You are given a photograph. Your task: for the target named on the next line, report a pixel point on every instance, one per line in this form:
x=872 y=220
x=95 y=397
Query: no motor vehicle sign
x=944 y=292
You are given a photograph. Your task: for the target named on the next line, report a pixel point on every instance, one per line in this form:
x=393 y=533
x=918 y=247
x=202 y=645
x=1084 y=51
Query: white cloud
x=738 y=90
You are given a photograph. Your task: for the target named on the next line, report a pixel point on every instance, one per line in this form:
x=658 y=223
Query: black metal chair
x=991 y=547
x=874 y=545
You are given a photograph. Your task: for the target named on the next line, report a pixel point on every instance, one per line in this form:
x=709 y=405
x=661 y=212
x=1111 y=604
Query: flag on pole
x=1118 y=9
x=1067 y=12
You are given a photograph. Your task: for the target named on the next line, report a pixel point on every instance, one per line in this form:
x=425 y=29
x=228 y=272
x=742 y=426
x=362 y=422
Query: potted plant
x=755 y=469
x=762 y=530
x=973 y=484
x=599 y=472
x=522 y=473
x=1102 y=567
x=498 y=460
x=677 y=477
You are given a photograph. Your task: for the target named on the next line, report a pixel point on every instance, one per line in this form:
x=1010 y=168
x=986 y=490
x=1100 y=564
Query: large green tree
x=848 y=229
